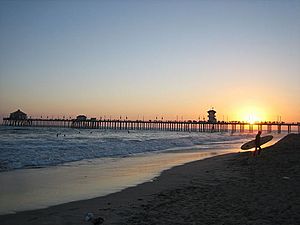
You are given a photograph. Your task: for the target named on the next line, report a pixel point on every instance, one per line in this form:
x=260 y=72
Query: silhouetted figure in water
x=257 y=143
x=57 y=134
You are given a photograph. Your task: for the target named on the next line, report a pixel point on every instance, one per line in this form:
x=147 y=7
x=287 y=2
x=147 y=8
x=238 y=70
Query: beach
x=233 y=188
x=39 y=169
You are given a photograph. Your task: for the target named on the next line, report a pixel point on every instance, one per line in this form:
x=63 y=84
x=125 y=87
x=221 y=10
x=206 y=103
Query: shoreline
x=228 y=189
x=32 y=189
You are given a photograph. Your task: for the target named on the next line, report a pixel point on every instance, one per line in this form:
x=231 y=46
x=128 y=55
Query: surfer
x=257 y=143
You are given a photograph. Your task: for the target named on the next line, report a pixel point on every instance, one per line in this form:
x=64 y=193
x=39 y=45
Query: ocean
x=33 y=147
x=42 y=167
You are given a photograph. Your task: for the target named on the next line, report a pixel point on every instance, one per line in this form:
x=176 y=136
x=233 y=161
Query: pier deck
x=188 y=126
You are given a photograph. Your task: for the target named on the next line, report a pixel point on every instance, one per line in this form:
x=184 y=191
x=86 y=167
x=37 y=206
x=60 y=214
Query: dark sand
x=227 y=189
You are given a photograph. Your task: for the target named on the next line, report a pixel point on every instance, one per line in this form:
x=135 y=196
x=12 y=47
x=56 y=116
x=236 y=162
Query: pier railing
x=188 y=126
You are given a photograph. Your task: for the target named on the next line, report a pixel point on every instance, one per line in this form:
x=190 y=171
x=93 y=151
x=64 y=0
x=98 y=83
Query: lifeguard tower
x=212 y=116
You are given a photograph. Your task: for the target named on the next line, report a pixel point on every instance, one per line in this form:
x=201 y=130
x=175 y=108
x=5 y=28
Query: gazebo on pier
x=18 y=115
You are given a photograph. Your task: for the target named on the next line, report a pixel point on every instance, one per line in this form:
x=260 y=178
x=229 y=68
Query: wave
x=40 y=147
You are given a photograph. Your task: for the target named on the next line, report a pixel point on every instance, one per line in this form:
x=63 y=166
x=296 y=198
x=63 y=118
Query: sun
x=251 y=114
x=252 y=118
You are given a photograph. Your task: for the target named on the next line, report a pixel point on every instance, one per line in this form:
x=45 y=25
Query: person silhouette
x=257 y=143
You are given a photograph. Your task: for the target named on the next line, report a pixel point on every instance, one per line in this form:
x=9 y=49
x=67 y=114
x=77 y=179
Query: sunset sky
x=151 y=58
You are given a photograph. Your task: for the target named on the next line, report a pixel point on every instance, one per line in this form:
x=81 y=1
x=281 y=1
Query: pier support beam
x=242 y=128
x=250 y=128
x=269 y=128
x=233 y=128
x=279 y=129
x=289 y=129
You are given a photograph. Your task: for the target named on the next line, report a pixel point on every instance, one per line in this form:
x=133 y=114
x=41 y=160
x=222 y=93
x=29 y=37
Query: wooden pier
x=187 y=126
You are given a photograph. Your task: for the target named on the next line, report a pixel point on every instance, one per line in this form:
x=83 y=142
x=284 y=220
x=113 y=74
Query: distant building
x=18 y=115
x=212 y=116
x=81 y=118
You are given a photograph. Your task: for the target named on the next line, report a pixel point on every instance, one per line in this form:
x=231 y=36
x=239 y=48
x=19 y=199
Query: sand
x=30 y=189
x=229 y=189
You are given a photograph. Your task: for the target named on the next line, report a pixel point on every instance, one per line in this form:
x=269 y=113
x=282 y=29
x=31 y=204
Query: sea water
x=31 y=147
x=41 y=167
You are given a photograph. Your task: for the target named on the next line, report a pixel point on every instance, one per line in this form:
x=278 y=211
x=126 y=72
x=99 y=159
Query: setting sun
x=252 y=114
x=252 y=118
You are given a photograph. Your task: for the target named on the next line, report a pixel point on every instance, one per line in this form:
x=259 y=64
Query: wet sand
x=31 y=189
x=229 y=189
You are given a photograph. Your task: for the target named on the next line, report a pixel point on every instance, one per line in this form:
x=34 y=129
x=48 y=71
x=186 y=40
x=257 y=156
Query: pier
x=159 y=125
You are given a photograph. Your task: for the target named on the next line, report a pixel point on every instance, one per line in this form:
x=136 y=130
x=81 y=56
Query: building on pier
x=18 y=115
x=81 y=118
x=212 y=116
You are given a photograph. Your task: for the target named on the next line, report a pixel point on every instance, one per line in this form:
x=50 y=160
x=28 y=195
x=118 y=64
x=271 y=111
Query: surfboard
x=251 y=144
